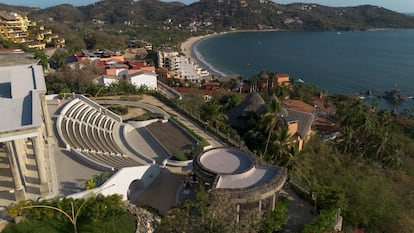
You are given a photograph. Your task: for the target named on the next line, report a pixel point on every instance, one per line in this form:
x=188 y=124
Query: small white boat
x=300 y=80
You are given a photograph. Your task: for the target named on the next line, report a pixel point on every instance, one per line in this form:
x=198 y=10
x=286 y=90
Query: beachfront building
x=245 y=181
x=180 y=66
x=25 y=132
x=165 y=57
x=184 y=69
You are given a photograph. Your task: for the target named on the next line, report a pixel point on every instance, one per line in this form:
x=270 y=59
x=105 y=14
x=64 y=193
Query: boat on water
x=300 y=80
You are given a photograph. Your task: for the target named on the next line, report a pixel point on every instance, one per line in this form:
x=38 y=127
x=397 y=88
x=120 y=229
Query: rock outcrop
x=147 y=222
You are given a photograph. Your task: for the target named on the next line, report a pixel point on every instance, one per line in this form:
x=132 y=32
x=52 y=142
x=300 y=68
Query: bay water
x=340 y=62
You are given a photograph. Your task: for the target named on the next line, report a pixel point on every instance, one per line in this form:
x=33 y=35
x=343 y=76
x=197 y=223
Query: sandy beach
x=188 y=47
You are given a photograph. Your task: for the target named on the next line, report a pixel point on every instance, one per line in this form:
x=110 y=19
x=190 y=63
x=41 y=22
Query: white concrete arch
x=120 y=182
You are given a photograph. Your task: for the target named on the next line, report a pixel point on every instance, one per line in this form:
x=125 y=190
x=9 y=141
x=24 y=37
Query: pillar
x=260 y=205
x=19 y=190
x=273 y=202
x=40 y=161
x=237 y=213
x=46 y=116
x=20 y=152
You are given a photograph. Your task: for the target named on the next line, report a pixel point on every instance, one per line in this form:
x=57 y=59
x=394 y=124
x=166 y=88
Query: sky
x=403 y=6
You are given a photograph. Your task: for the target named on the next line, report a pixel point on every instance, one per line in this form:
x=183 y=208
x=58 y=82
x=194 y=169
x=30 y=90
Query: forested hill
x=220 y=15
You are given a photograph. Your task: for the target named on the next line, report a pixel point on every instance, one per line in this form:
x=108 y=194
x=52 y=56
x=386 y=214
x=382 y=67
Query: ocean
x=350 y=63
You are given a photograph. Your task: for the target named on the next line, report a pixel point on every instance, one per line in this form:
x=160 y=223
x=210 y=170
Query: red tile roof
x=298 y=105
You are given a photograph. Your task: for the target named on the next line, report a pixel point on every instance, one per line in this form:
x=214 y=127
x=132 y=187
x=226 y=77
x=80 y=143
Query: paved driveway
x=300 y=212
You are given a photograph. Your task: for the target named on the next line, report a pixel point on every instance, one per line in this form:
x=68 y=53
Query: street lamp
x=73 y=216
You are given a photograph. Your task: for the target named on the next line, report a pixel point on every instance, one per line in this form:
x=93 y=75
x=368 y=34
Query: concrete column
x=40 y=161
x=19 y=190
x=20 y=152
x=237 y=213
x=273 y=202
x=46 y=116
x=260 y=205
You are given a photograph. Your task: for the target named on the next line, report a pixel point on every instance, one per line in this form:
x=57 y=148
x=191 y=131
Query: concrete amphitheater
x=93 y=139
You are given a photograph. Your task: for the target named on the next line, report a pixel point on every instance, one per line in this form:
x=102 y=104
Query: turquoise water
x=339 y=62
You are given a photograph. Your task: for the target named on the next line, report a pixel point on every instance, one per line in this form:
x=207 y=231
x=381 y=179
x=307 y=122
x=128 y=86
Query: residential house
x=281 y=79
x=298 y=122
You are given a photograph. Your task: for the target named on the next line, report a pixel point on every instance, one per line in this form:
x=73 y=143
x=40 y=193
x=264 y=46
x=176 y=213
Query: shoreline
x=189 y=51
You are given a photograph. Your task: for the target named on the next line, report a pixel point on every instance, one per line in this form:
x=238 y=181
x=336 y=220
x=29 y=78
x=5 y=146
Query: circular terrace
x=225 y=161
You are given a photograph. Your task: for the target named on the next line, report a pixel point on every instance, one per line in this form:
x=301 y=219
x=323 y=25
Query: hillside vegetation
x=221 y=15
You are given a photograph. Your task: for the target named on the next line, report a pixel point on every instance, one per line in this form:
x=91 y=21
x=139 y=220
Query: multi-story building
x=180 y=66
x=14 y=27
x=25 y=132
x=165 y=57
x=20 y=30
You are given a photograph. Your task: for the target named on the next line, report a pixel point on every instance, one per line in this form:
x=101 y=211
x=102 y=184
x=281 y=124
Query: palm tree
x=271 y=118
x=281 y=146
x=347 y=136
x=281 y=91
x=253 y=83
x=292 y=155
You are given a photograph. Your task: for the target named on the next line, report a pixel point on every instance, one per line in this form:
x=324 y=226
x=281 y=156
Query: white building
x=165 y=56
x=185 y=69
x=25 y=129
x=181 y=66
x=107 y=80
x=144 y=78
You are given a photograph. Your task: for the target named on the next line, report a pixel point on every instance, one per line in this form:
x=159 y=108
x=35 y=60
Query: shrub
x=119 y=109
x=149 y=116
x=183 y=155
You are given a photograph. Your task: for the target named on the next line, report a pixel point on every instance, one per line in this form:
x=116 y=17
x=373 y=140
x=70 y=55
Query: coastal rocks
x=395 y=96
x=147 y=222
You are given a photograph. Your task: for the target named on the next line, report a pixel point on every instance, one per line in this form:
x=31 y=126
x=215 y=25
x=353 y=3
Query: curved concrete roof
x=226 y=161
x=236 y=169
x=253 y=178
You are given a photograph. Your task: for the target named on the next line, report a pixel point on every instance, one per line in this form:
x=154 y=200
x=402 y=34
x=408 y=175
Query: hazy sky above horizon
x=404 y=6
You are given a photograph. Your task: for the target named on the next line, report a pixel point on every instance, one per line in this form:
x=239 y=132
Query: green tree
x=208 y=213
x=271 y=119
x=43 y=60
x=276 y=218
x=212 y=114
x=94 y=214
x=323 y=223
x=281 y=91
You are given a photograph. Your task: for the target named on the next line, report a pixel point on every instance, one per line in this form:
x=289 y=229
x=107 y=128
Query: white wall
x=146 y=79
x=106 y=81
x=119 y=183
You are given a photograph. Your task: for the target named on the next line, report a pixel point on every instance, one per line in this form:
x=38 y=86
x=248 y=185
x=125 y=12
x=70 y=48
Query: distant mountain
x=218 y=15
x=22 y=10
